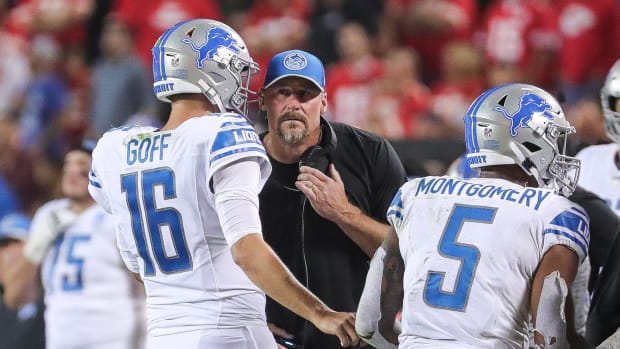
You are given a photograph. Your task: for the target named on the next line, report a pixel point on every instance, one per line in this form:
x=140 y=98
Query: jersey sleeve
x=395 y=211
x=234 y=140
x=95 y=186
x=570 y=227
x=236 y=190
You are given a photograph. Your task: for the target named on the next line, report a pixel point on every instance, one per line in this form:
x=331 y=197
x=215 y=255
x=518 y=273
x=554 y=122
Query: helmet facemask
x=240 y=71
x=562 y=172
x=610 y=93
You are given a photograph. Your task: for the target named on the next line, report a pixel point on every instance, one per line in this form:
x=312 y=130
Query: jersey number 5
x=142 y=199
x=467 y=254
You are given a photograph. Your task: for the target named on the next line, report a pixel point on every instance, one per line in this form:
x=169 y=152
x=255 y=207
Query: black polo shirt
x=316 y=250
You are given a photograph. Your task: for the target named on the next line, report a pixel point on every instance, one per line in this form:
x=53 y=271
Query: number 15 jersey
x=156 y=184
x=471 y=249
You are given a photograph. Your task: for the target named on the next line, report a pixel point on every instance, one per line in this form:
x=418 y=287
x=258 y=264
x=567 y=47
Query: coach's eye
x=284 y=92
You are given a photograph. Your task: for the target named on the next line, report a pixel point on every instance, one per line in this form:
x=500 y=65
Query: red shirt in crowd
x=274 y=26
x=514 y=28
x=349 y=88
x=516 y=32
x=65 y=20
x=148 y=21
x=590 y=38
x=428 y=41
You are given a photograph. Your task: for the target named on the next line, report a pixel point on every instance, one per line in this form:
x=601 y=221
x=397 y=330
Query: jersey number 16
x=141 y=199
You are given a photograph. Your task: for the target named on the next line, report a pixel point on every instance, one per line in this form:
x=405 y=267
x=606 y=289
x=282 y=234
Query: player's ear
x=323 y=103
x=261 y=99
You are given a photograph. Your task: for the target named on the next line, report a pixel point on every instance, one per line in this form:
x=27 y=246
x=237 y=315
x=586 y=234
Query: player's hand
x=340 y=324
x=325 y=193
x=46 y=231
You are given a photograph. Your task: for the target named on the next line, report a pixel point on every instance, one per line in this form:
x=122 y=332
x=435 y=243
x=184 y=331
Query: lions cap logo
x=295 y=61
x=529 y=105
x=217 y=39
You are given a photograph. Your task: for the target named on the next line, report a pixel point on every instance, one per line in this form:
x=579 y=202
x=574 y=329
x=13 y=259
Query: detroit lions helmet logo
x=216 y=39
x=529 y=105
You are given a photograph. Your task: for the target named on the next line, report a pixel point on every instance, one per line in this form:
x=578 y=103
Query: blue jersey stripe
x=235 y=136
x=580 y=211
x=94 y=184
x=573 y=222
x=235 y=123
x=92 y=179
x=395 y=213
x=236 y=151
x=396 y=206
x=398 y=199
x=581 y=245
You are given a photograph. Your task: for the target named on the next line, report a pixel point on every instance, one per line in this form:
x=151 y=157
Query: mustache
x=294 y=116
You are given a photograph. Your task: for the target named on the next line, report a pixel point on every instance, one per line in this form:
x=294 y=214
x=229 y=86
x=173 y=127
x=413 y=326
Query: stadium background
x=405 y=69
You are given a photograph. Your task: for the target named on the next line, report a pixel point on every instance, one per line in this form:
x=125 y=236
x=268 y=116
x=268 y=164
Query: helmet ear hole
x=502 y=101
x=612 y=103
x=531 y=147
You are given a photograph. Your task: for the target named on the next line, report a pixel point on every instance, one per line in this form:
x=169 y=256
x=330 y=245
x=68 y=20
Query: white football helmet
x=609 y=95
x=203 y=56
x=522 y=124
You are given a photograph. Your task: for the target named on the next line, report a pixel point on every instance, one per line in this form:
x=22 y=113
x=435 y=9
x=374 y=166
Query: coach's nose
x=294 y=104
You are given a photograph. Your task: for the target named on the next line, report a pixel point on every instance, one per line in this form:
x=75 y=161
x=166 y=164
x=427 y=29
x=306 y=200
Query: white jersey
x=157 y=186
x=599 y=173
x=90 y=298
x=471 y=248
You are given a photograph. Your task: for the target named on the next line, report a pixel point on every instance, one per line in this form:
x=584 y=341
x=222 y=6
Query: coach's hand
x=340 y=324
x=329 y=199
x=325 y=193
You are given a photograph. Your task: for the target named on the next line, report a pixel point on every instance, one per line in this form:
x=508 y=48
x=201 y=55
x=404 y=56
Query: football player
x=470 y=261
x=601 y=175
x=600 y=171
x=185 y=198
x=91 y=301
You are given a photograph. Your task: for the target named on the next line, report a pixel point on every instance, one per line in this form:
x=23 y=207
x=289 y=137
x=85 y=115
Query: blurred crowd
x=405 y=69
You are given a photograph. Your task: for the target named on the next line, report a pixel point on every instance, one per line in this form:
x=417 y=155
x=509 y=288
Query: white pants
x=249 y=337
x=121 y=344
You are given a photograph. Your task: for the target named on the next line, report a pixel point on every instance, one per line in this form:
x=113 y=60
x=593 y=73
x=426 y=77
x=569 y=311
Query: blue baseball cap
x=14 y=226
x=295 y=63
